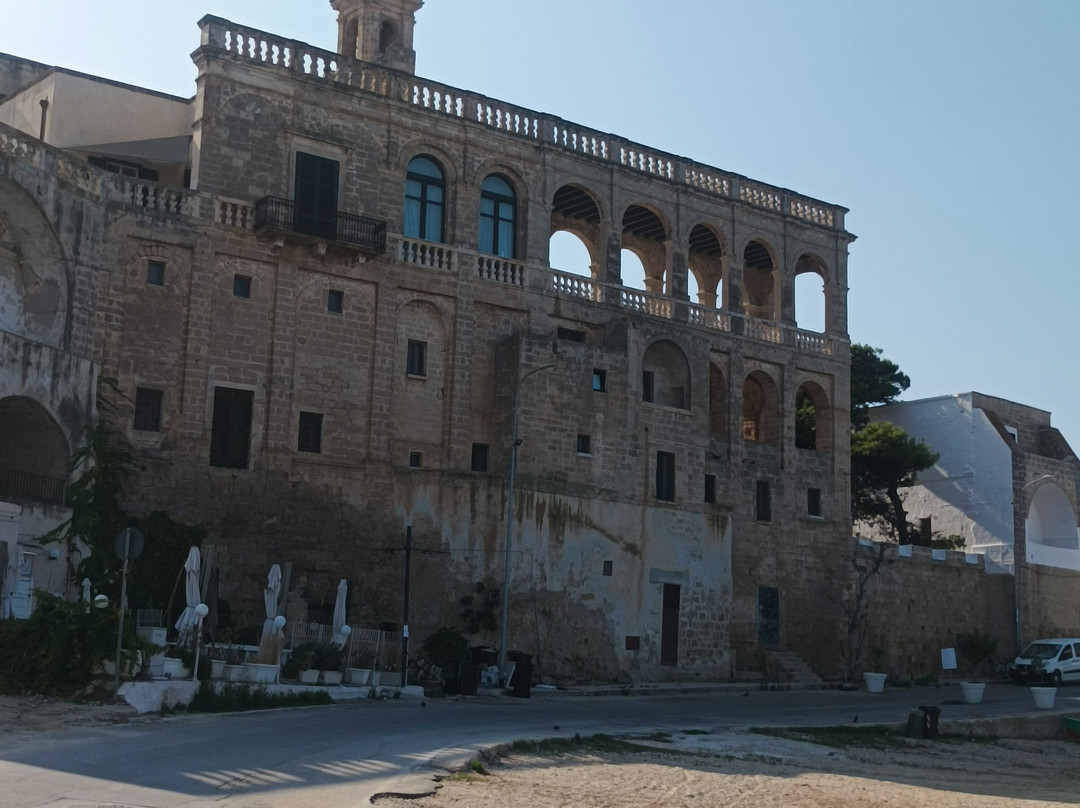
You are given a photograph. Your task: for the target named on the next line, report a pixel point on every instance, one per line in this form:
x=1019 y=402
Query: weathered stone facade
x=668 y=522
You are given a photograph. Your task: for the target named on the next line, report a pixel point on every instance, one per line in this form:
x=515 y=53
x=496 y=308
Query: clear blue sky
x=950 y=129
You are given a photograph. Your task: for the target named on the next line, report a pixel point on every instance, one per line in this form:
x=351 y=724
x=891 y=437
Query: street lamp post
x=514 y=441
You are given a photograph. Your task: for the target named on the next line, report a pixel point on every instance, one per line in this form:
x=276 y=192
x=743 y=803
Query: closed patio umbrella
x=191 y=593
x=339 y=612
x=270 y=601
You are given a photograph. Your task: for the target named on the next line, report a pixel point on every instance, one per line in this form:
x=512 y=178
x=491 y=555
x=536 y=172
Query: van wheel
x=1055 y=678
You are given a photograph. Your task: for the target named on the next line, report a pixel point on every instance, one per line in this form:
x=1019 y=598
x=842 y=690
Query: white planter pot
x=233 y=673
x=1044 y=697
x=261 y=673
x=875 y=682
x=175 y=669
x=330 y=677
x=972 y=692
x=357 y=676
x=309 y=677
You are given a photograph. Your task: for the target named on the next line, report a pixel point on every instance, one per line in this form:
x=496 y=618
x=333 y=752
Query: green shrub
x=231 y=698
x=57 y=650
x=975 y=649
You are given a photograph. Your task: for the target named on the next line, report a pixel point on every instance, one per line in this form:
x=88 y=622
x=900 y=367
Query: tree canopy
x=884 y=458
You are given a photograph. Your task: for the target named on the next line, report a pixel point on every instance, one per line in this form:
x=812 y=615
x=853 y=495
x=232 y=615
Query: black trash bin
x=930 y=720
x=521 y=682
x=470 y=679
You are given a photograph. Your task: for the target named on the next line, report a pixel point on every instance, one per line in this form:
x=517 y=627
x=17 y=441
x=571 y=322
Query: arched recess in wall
x=350 y=45
x=813 y=418
x=706 y=260
x=811 y=294
x=718 y=403
x=497 y=233
x=33 y=271
x=34 y=455
x=388 y=36
x=645 y=237
x=1051 y=521
x=760 y=408
x=759 y=281
x=574 y=239
x=665 y=375
x=422 y=362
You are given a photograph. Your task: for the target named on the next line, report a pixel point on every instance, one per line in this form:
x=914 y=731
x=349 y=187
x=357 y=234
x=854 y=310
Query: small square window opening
x=309 y=435
x=147 y=409
x=335 y=301
x=710 y=488
x=608 y=568
x=813 y=501
x=155 y=273
x=599 y=380
x=241 y=286
x=415 y=460
x=416 y=359
x=584 y=445
x=479 y=457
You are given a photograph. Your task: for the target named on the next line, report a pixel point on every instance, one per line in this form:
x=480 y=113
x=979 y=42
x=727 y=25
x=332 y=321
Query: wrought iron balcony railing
x=272 y=213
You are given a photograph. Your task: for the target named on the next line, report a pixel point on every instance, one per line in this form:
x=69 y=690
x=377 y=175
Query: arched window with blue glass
x=425 y=190
x=498 y=215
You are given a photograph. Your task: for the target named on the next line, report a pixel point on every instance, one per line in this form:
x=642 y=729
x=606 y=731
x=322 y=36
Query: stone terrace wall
x=918 y=605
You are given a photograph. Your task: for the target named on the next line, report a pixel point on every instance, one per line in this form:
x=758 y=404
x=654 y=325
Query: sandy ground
x=24 y=716
x=744 y=769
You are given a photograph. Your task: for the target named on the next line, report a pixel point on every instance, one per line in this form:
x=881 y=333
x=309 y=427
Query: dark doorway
x=669 y=633
x=315 y=196
x=768 y=600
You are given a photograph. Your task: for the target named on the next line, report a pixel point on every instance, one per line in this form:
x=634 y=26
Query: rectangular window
x=665 y=476
x=647 y=381
x=416 y=361
x=570 y=334
x=762 y=501
x=155 y=273
x=241 y=286
x=710 y=488
x=315 y=196
x=416 y=460
x=813 y=501
x=335 y=301
x=309 y=434
x=230 y=437
x=479 y=457
x=584 y=445
x=148 y=409
x=608 y=568
x=599 y=380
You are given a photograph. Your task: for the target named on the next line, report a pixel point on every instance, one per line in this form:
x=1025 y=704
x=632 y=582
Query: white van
x=1059 y=659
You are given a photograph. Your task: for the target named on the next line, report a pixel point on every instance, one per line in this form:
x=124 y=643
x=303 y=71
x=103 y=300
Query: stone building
x=1008 y=482
x=322 y=284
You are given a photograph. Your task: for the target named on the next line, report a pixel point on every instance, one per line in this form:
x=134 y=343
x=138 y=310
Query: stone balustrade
x=258 y=47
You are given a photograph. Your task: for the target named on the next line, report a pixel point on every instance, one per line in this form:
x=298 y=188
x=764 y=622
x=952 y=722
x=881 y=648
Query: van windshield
x=1041 y=650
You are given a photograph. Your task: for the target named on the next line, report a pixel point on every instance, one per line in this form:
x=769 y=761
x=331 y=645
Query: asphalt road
x=339 y=756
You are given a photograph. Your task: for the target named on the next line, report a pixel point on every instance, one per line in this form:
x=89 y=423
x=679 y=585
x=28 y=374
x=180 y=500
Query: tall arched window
x=498 y=214
x=425 y=189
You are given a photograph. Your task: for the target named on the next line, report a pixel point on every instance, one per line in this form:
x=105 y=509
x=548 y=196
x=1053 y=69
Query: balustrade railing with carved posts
x=260 y=48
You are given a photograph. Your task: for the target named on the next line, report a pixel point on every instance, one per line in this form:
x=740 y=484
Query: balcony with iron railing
x=277 y=216
x=23 y=486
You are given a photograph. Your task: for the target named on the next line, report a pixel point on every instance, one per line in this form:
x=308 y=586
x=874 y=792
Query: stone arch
x=813 y=420
x=707 y=262
x=760 y=408
x=351 y=42
x=388 y=37
x=718 y=403
x=34 y=454
x=646 y=234
x=759 y=280
x=811 y=293
x=666 y=375
x=576 y=210
x=1051 y=521
x=34 y=278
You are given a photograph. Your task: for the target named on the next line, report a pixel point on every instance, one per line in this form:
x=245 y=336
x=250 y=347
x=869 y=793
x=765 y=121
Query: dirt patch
x=743 y=768
x=28 y=715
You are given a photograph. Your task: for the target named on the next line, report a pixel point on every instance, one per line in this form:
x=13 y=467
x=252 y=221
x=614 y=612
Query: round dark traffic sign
x=135 y=543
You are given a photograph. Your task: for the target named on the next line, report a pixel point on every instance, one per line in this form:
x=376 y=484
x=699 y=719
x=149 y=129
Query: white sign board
x=948 y=659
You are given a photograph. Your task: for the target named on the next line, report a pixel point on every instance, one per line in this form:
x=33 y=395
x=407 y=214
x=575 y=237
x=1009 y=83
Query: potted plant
x=301 y=664
x=975 y=649
x=875 y=682
x=1042 y=695
x=329 y=660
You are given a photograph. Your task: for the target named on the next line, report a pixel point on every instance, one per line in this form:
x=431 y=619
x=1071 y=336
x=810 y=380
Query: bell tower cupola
x=378 y=31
